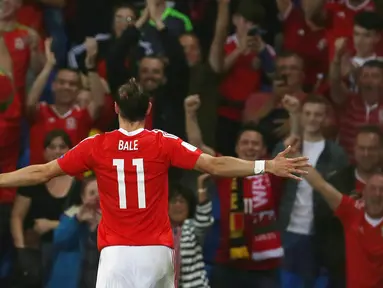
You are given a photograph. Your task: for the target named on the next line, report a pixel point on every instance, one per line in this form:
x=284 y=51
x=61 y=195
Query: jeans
x=301 y=265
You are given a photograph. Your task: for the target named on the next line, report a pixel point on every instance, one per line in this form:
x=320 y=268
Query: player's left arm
x=31 y=175
x=186 y=156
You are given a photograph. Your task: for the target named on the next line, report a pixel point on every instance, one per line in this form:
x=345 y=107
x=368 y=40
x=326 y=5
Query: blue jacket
x=68 y=250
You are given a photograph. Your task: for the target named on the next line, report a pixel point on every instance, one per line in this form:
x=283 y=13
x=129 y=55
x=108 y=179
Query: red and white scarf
x=259 y=202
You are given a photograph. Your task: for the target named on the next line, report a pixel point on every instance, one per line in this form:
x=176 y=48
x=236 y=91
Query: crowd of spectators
x=241 y=78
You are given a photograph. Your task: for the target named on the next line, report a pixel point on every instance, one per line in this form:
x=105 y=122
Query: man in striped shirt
x=355 y=110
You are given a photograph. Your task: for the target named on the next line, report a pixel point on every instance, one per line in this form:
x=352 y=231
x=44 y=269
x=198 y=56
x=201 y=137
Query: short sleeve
x=347 y=210
x=26 y=191
x=80 y=158
x=182 y=154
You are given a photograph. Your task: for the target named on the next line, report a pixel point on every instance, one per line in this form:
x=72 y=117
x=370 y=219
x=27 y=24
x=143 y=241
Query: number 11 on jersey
x=120 y=166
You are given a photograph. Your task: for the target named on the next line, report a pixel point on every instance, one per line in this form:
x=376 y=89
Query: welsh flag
x=6 y=91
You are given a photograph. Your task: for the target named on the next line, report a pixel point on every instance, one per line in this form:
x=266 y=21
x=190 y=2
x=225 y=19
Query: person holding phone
x=247 y=59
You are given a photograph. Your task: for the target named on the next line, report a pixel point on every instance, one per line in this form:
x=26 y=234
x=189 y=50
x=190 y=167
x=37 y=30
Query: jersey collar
x=371 y=221
x=131 y=133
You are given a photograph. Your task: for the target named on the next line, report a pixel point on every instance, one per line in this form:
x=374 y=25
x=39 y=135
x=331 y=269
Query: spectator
x=351 y=181
x=18 y=53
x=189 y=222
x=204 y=75
x=249 y=253
x=300 y=212
x=36 y=212
x=75 y=242
x=266 y=108
x=302 y=36
x=164 y=79
x=176 y=22
x=337 y=17
x=357 y=109
x=124 y=15
x=247 y=56
x=362 y=226
x=367 y=31
x=63 y=114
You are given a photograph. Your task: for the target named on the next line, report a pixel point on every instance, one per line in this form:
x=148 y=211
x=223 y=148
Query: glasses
x=125 y=19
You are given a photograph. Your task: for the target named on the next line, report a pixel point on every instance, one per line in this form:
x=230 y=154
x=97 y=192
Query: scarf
x=237 y=243
x=253 y=197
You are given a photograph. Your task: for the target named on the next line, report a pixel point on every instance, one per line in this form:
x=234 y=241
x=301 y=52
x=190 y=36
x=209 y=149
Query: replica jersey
x=132 y=177
x=76 y=123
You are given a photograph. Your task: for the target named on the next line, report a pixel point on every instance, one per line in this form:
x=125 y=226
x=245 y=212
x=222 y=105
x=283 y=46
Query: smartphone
x=254 y=31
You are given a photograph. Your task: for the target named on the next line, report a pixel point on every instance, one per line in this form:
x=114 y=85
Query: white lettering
x=128 y=145
x=259 y=193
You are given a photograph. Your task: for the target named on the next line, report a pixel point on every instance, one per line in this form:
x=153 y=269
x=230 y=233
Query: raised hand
x=192 y=103
x=291 y=104
x=283 y=5
x=202 y=195
x=33 y=39
x=286 y=167
x=340 y=46
x=91 y=47
x=49 y=55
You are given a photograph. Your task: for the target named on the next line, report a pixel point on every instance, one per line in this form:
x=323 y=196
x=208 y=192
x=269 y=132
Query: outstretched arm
x=31 y=175
x=234 y=167
x=332 y=196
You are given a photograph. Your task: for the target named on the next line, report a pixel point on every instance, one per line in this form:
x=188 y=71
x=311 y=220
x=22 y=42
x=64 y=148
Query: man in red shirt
x=367 y=33
x=363 y=229
x=64 y=113
x=131 y=165
x=302 y=36
x=247 y=59
x=364 y=107
x=368 y=143
x=337 y=17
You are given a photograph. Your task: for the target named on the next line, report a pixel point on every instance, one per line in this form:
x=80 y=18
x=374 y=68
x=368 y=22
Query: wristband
x=259 y=167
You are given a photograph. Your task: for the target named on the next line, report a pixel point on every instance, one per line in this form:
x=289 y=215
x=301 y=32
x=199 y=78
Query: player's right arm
x=31 y=175
x=75 y=162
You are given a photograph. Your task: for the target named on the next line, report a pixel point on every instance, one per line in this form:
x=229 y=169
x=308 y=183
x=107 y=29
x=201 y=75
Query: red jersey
x=76 y=122
x=241 y=81
x=353 y=114
x=309 y=43
x=19 y=51
x=9 y=116
x=364 y=246
x=132 y=177
x=340 y=21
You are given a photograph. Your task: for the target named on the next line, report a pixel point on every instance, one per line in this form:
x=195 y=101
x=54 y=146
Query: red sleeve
x=182 y=154
x=347 y=210
x=79 y=159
